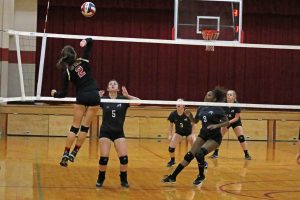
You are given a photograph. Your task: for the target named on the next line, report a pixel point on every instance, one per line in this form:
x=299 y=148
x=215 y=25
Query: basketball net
x=210 y=35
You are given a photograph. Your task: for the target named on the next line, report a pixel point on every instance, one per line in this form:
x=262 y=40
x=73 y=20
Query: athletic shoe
x=169 y=179
x=124 y=183
x=199 y=180
x=71 y=157
x=64 y=161
x=248 y=157
x=205 y=165
x=214 y=156
x=171 y=163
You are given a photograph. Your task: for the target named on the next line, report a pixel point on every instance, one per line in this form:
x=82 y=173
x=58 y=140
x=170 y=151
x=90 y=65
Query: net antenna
x=42 y=57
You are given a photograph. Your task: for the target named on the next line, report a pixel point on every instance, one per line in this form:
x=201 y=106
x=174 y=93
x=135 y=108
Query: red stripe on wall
x=27 y=57
x=3 y=54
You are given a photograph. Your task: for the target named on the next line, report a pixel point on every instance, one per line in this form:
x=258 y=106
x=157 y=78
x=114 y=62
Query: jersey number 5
x=113 y=113
x=80 y=71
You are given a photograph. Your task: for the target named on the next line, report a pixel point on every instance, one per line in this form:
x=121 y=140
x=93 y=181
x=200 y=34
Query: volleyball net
x=29 y=67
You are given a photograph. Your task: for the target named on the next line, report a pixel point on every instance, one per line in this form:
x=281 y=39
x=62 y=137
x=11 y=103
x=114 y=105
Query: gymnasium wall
x=156 y=71
x=17 y=15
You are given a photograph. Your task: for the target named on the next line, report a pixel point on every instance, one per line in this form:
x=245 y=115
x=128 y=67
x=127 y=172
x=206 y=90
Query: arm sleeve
x=87 y=49
x=65 y=82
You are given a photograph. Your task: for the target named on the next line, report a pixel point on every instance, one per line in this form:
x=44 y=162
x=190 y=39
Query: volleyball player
x=233 y=114
x=210 y=137
x=183 y=127
x=78 y=71
x=112 y=131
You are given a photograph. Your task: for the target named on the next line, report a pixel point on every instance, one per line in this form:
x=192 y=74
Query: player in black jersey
x=183 y=127
x=78 y=71
x=112 y=131
x=233 y=114
x=210 y=137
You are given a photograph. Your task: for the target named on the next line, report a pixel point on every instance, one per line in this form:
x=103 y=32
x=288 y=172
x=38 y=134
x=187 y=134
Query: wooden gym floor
x=29 y=169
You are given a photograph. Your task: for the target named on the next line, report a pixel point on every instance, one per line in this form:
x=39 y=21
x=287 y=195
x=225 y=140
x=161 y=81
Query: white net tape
x=160 y=102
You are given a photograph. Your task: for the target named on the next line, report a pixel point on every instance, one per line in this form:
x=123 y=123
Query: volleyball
x=88 y=9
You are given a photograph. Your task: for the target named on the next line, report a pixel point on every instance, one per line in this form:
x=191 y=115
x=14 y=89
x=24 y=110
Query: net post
x=20 y=69
x=41 y=67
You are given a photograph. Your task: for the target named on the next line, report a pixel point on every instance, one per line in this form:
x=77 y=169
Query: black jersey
x=210 y=115
x=113 y=115
x=231 y=111
x=182 y=123
x=79 y=74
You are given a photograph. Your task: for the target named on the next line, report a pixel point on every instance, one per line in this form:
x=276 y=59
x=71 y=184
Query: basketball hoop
x=210 y=35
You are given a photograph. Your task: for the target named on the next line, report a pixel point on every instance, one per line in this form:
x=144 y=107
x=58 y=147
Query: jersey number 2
x=80 y=71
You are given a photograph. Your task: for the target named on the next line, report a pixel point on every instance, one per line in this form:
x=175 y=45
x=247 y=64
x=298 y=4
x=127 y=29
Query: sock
x=216 y=151
x=201 y=169
x=123 y=176
x=173 y=159
x=178 y=169
x=66 y=151
x=246 y=152
x=76 y=149
x=101 y=176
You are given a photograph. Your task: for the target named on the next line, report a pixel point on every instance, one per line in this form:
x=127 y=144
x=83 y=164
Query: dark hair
x=219 y=94
x=68 y=57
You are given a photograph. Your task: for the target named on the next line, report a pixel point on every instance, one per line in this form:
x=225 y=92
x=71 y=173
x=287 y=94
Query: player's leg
x=173 y=144
x=215 y=155
x=122 y=150
x=105 y=145
x=78 y=113
x=90 y=113
x=189 y=156
x=238 y=130
x=206 y=148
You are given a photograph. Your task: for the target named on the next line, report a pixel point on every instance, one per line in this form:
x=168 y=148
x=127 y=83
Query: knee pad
x=84 y=129
x=189 y=157
x=201 y=154
x=123 y=160
x=103 y=160
x=241 y=139
x=74 y=130
x=171 y=150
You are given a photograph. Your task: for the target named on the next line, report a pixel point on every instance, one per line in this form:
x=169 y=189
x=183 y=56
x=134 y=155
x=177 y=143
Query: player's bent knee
x=123 y=160
x=189 y=157
x=171 y=150
x=241 y=139
x=84 y=129
x=201 y=154
x=74 y=130
x=103 y=160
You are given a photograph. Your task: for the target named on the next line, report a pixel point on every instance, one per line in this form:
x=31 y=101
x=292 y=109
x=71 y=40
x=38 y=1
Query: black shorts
x=112 y=135
x=90 y=98
x=184 y=134
x=235 y=124
x=211 y=135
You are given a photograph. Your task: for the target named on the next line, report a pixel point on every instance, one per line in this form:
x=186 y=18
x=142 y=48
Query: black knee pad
x=188 y=157
x=241 y=139
x=74 y=130
x=84 y=129
x=103 y=160
x=171 y=150
x=201 y=154
x=123 y=160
